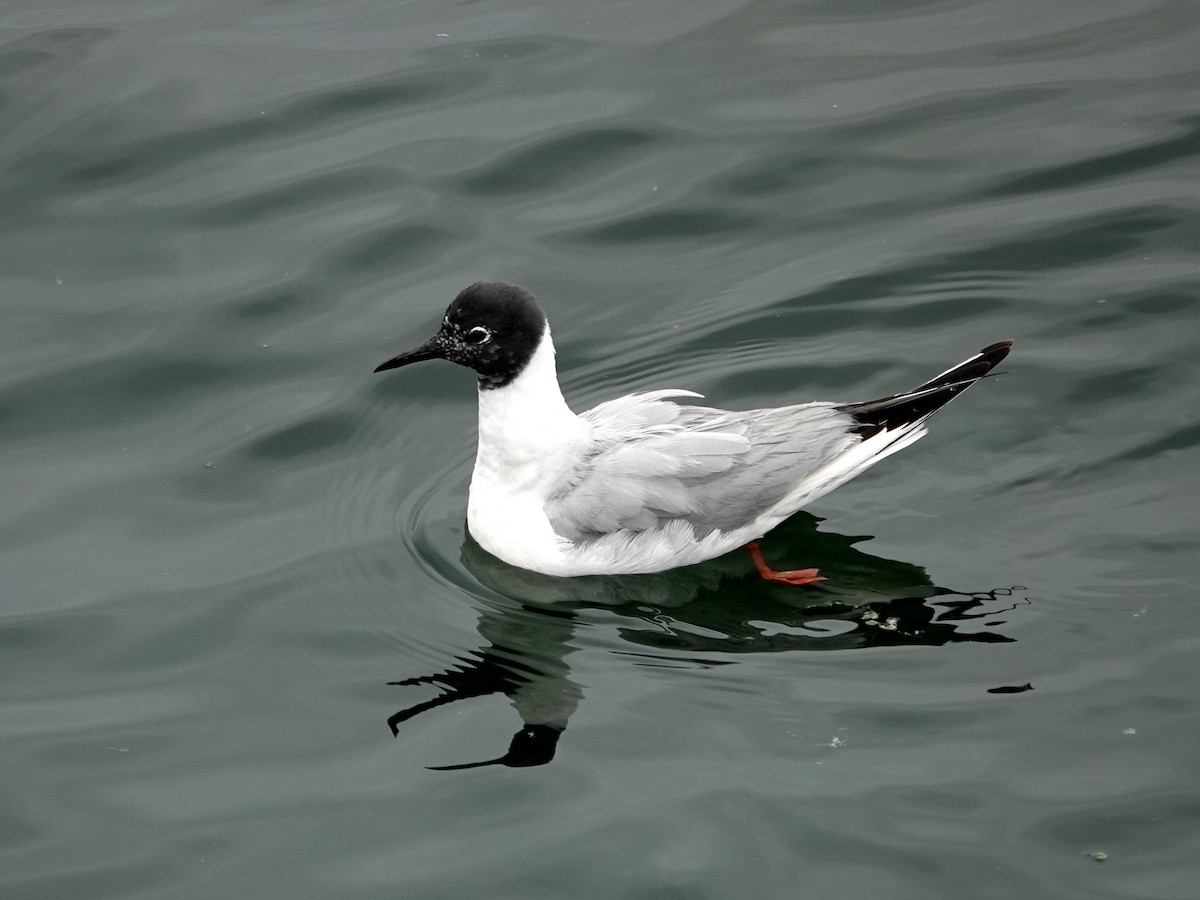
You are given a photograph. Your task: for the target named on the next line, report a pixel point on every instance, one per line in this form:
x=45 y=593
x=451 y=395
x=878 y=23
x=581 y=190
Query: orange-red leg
x=793 y=576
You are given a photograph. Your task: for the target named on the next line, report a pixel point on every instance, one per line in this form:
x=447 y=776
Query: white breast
x=528 y=437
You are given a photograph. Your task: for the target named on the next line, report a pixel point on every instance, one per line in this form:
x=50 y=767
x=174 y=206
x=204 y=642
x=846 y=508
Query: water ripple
x=232 y=557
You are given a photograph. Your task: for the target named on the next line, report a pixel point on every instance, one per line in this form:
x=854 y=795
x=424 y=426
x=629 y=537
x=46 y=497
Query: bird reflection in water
x=692 y=616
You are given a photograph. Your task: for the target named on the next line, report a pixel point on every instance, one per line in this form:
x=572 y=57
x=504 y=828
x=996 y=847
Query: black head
x=491 y=327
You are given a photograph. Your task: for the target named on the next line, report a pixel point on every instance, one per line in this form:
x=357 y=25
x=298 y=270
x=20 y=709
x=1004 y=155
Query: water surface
x=241 y=615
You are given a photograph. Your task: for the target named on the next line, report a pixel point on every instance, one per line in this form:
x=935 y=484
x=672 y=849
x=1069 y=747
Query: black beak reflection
x=533 y=745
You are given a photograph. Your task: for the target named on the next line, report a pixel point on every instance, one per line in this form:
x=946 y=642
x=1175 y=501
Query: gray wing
x=649 y=461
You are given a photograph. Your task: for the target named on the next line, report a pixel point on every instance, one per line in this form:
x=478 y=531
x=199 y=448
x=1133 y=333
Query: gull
x=642 y=483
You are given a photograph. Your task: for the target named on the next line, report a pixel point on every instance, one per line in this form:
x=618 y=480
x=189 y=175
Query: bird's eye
x=477 y=335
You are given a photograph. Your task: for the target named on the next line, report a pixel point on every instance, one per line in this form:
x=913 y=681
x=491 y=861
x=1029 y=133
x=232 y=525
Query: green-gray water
x=222 y=538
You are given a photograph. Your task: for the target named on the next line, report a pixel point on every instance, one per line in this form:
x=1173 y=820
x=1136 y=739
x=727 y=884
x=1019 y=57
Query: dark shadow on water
x=698 y=617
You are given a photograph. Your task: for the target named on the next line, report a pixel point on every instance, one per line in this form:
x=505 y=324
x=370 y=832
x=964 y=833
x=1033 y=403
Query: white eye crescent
x=477 y=335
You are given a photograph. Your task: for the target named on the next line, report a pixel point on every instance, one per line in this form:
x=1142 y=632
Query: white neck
x=524 y=420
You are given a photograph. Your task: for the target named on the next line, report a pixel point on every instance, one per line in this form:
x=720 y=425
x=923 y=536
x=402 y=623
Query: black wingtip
x=994 y=354
x=926 y=399
x=970 y=369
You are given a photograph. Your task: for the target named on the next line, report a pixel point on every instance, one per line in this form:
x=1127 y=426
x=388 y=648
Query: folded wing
x=651 y=461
